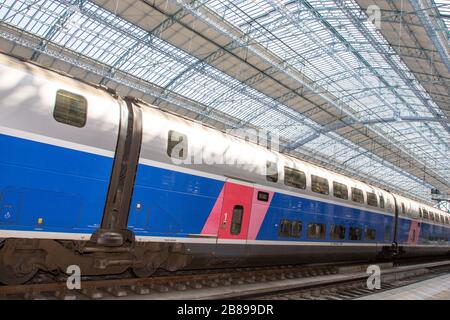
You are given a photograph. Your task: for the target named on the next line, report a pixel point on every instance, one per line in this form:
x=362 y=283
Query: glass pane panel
x=70 y=109
x=319 y=185
x=340 y=190
x=236 y=220
x=294 y=178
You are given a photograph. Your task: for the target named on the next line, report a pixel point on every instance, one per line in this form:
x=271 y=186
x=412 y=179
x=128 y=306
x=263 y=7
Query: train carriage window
x=271 y=171
x=177 y=144
x=431 y=216
x=442 y=219
x=294 y=178
x=70 y=108
x=319 y=185
x=403 y=209
x=381 y=201
x=420 y=213
x=316 y=231
x=284 y=228
x=337 y=232
x=296 y=229
x=387 y=233
x=355 y=233
x=263 y=196
x=236 y=219
x=372 y=199
x=357 y=195
x=340 y=190
x=371 y=234
x=425 y=214
x=446 y=220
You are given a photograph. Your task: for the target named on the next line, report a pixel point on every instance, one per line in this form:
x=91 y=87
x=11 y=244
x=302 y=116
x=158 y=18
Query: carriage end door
x=235 y=214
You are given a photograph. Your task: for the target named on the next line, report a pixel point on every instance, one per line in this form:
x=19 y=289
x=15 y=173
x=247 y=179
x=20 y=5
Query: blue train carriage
x=110 y=183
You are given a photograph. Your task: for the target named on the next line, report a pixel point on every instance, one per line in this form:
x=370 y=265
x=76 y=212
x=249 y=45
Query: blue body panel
x=171 y=203
x=64 y=187
x=67 y=189
x=312 y=211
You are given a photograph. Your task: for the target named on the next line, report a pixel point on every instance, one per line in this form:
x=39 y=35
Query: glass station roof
x=327 y=41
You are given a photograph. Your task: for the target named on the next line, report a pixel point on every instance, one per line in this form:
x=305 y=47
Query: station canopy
x=358 y=88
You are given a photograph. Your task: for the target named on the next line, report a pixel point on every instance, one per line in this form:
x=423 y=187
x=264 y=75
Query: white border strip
x=87 y=236
x=55 y=142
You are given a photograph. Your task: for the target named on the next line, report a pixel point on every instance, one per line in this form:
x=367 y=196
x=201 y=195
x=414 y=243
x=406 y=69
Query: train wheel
x=19 y=273
x=143 y=272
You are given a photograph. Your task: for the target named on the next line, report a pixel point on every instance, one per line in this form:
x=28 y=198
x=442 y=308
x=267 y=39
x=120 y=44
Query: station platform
x=432 y=289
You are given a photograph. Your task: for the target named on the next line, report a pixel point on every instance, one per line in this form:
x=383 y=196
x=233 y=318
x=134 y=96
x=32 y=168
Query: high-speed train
x=110 y=184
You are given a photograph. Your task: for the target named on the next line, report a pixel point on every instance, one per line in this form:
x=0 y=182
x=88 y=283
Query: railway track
x=282 y=282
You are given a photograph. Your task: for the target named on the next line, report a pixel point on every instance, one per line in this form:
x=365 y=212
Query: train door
x=234 y=219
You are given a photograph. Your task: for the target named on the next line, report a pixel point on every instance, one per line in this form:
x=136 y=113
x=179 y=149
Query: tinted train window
x=446 y=220
x=319 y=185
x=296 y=229
x=431 y=216
x=371 y=234
x=236 y=220
x=290 y=228
x=263 y=196
x=294 y=178
x=372 y=199
x=381 y=202
x=340 y=190
x=271 y=171
x=420 y=213
x=403 y=208
x=70 y=109
x=355 y=233
x=387 y=233
x=337 y=232
x=284 y=229
x=177 y=145
x=357 y=195
x=316 y=231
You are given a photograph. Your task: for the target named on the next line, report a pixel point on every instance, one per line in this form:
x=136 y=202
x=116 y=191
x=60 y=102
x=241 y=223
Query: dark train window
x=271 y=171
x=420 y=213
x=263 y=196
x=296 y=230
x=337 y=232
x=236 y=220
x=431 y=216
x=387 y=233
x=294 y=178
x=340 y=190
x=381 y=202
x=403 y=208
x=290 y=228
x=70 y=109
x=284 y=229
x=177 y=145
x=371 y=234
x=446 y=220
x=442 y=219
x=372 y=199
x=319 y=185
x=316 y=231
x=355 y=234
x=357 y=195
x=425 y=214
